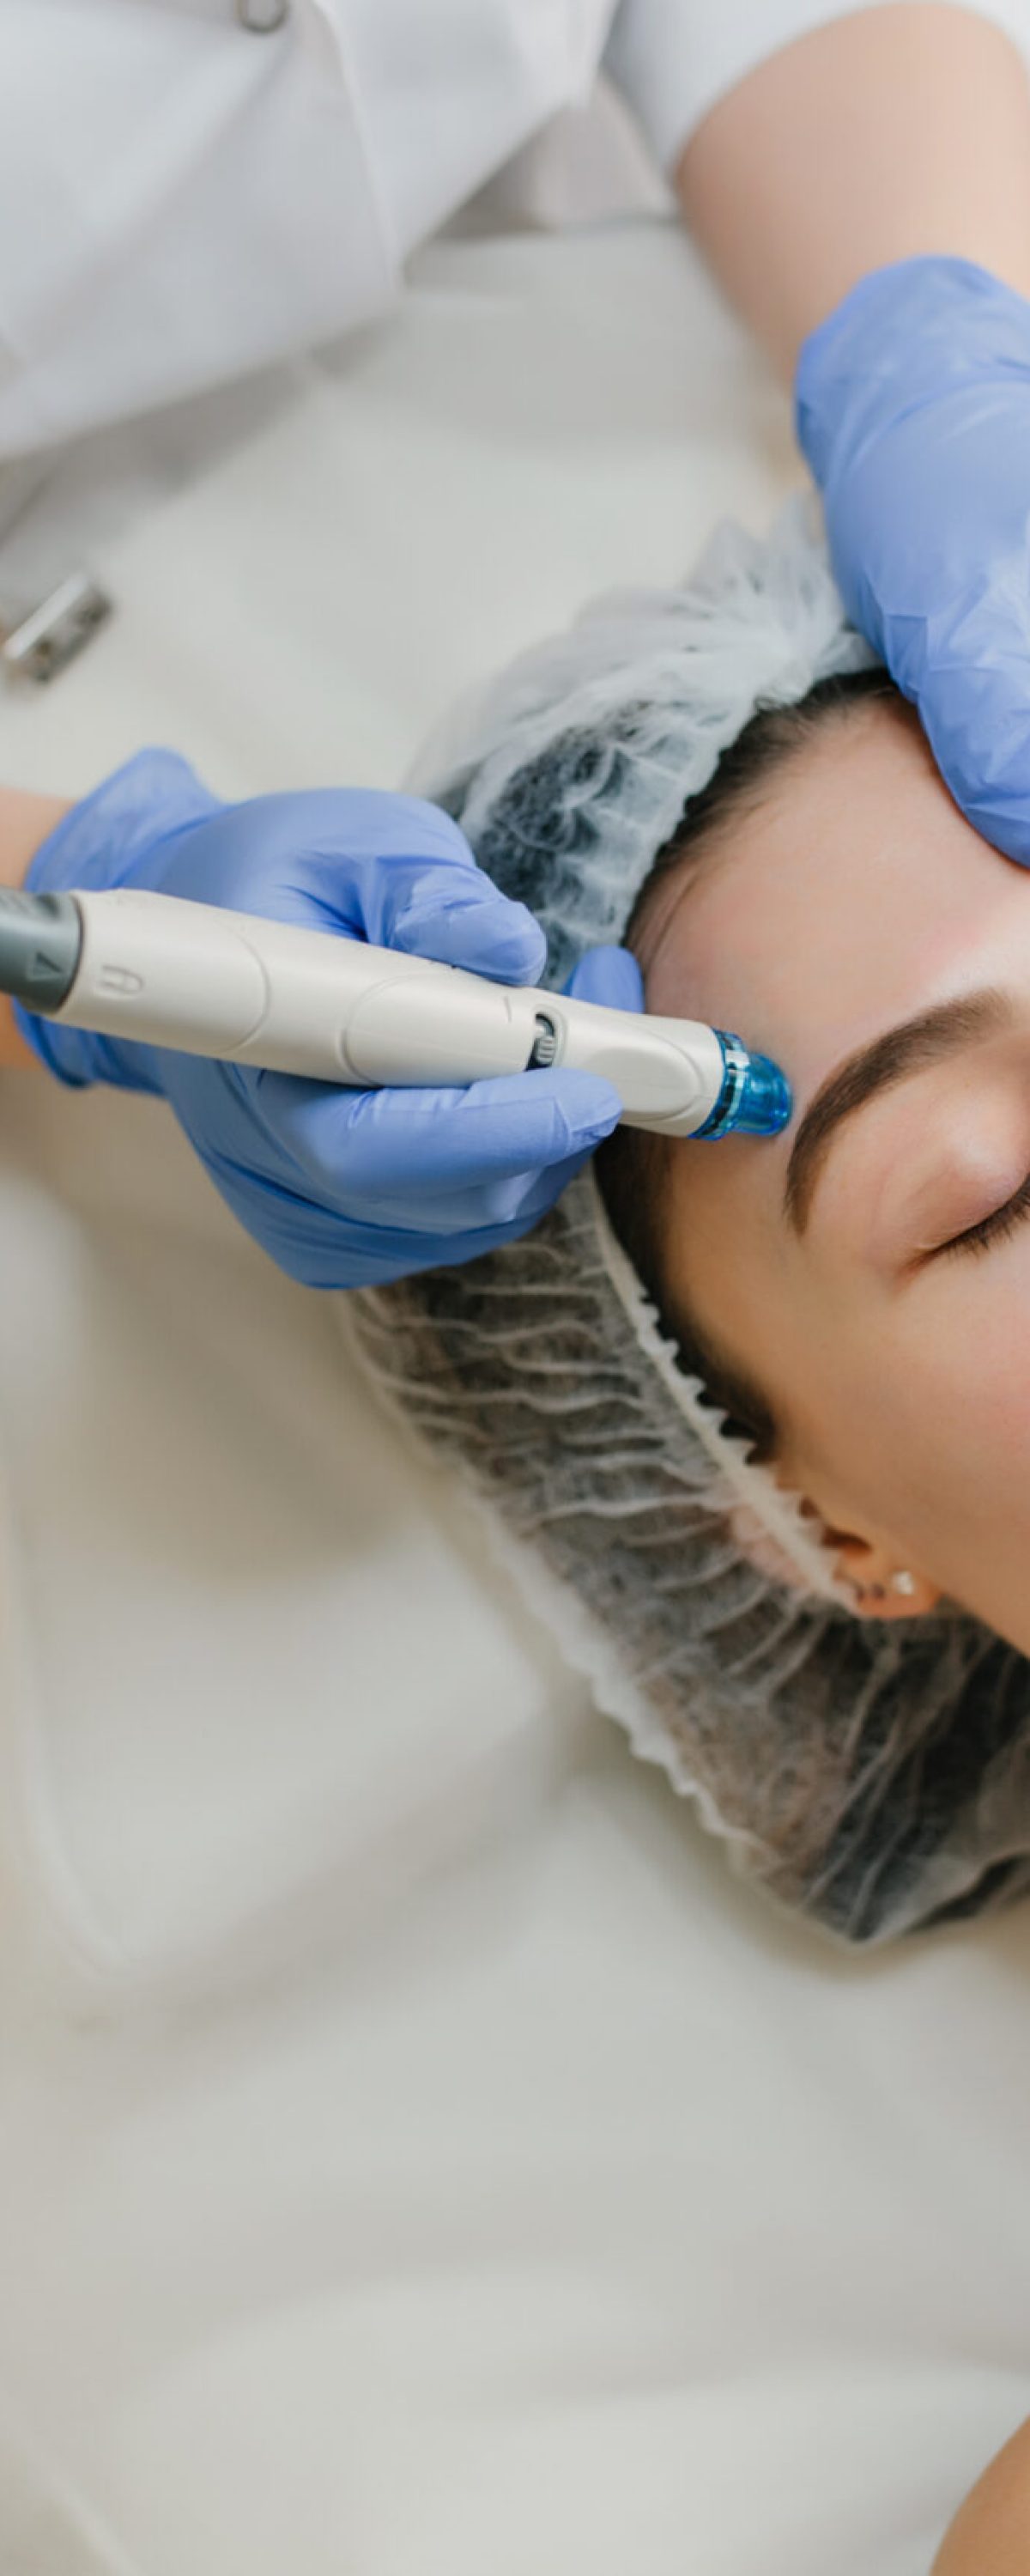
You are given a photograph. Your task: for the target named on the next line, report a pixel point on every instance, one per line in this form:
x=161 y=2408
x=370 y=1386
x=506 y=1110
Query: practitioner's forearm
x=990 y=2535
x=895 y=131
x=25 y=821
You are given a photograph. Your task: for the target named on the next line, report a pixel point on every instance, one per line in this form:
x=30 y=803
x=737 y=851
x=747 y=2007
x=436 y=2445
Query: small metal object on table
x=262 y=17
x=39 y=643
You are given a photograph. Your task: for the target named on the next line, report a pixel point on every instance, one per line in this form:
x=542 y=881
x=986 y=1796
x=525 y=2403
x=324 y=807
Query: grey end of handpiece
x=40 y=945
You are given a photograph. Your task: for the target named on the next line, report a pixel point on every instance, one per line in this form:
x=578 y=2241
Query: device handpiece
x=168 y=973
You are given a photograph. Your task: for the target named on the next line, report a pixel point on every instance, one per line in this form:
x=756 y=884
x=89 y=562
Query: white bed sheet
x=417 y=2157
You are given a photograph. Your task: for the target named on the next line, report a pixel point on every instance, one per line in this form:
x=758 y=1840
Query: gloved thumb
x=610 y=976
x=977 y=716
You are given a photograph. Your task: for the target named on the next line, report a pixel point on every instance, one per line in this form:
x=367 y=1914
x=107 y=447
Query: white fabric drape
x=183 y=201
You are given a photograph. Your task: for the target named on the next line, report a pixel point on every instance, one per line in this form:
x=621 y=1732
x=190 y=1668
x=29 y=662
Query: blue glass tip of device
x=755 y=1099
x=766 y=1104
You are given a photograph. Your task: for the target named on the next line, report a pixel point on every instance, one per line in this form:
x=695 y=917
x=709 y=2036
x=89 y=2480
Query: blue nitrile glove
x=913 y=410
x=342 y=1188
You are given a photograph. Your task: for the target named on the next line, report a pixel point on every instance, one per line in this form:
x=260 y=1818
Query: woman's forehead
x=854 y=894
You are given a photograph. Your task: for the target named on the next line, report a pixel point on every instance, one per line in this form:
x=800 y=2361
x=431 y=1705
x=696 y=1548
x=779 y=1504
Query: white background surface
x=417 y=2158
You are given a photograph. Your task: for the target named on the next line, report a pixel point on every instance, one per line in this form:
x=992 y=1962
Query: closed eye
x=994 y=1228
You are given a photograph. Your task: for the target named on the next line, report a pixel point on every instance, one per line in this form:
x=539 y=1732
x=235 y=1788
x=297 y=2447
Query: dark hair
x=632 y=1166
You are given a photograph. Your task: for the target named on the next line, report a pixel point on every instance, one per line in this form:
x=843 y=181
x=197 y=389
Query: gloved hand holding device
x=913 y=410
x=342 y=1188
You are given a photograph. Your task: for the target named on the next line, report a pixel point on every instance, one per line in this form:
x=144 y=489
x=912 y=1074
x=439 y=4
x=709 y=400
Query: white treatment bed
x=417 y=2156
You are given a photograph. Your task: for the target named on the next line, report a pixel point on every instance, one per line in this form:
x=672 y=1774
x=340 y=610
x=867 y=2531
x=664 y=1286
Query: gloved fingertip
x=590 y=1106
x=608 y=975
x=524 y=946
x=991 y=828
x=481 y=932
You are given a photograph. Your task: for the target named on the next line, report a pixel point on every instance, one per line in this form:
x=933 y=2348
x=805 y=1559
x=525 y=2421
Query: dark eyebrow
x=901 y=1052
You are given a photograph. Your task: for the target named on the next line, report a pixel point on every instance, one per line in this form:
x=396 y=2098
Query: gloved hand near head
x=342 y=1188
x=913 y=410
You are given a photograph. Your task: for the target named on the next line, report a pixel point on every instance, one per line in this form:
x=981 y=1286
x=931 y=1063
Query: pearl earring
x=904 y=1583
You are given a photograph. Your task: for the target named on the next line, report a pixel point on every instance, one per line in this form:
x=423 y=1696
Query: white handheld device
x=249 y=991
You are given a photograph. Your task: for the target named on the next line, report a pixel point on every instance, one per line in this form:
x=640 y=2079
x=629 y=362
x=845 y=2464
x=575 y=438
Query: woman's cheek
x=991 y=1368
x=904 y=1424
x=958 y=1384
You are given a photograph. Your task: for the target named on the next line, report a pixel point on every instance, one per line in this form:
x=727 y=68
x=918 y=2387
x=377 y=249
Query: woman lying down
x=752 y=1412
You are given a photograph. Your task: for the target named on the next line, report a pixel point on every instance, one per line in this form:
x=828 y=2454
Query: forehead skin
x=842 y=899
x=853 y=895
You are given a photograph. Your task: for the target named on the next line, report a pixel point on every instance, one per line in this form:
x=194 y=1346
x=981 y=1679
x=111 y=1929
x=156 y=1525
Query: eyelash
x=996 y=1228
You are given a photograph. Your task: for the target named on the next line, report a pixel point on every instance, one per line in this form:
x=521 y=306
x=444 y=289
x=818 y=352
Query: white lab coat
x=184 y=199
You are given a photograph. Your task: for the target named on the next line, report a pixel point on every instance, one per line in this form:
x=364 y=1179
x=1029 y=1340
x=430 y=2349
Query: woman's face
x=829 y=1265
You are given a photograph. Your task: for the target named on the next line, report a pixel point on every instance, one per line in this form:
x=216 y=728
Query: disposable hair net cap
x=874 y=1775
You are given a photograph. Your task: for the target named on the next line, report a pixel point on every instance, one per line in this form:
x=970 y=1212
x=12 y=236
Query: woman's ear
x=880 y=1586
x=872 y=1572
